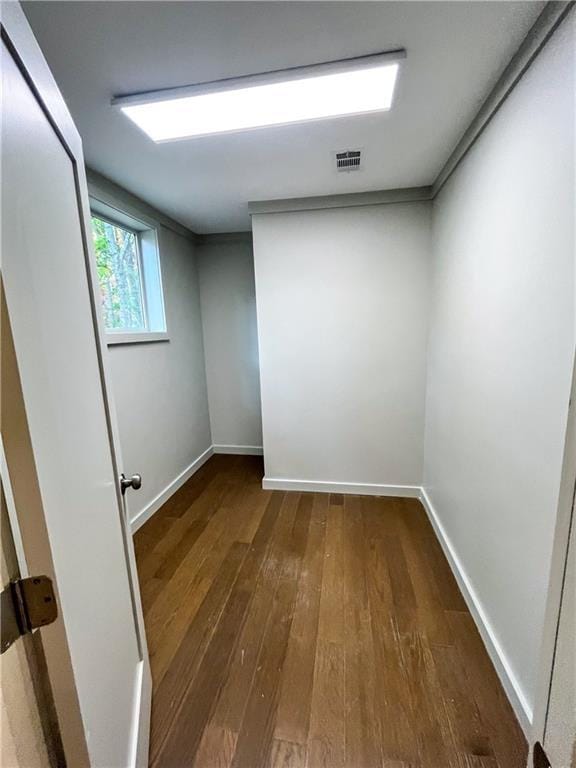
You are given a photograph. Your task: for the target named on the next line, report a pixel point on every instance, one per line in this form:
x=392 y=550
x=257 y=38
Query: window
x=129 y=277
x=119 y=275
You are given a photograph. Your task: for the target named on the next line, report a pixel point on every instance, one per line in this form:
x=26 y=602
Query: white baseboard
x=507 y=677
x=323 y=486
x=153 y=506
x=243 y=450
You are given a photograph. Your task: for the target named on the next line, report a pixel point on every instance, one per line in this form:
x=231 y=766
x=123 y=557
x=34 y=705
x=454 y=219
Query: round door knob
x=134 y=482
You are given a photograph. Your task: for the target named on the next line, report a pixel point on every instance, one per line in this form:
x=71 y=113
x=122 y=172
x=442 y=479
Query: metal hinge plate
x=25 y=604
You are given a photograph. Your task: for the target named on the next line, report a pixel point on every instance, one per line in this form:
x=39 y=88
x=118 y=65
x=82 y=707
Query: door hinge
x=540 y=757
x=25 y=604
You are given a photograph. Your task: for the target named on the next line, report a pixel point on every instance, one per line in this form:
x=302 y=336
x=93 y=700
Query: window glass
x=119 y=274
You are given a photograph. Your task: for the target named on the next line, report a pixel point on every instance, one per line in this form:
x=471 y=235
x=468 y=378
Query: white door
x=554 y=719
x=560 y=727
x=47 y=273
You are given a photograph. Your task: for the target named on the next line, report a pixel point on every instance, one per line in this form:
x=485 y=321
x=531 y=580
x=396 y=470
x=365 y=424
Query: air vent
x=348 y=160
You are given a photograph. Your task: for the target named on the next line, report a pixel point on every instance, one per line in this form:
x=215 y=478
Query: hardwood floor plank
x=148 y=565
x=403 y=595
x=143 y=542
x=362 y=730
x=298 y=672
x=183 y=585
x=432 y=616
x=225 y=524
x=429 y=718
x=185 y=662
x=381 y=516
x=286 y=754
x=509 y=743
x=187 y=728
x=393 y=704
x=331 y=618
x=216 y=749
x=232 y=702
x=151 y=533
x=165 y=641
x=257 y=729
x=378 y=584
x=200 y=700
x=171 y=562
x=327 y=740
x=252 y=508
x=149 y=590
x=205 y=503
x=189 y=492
x=209 y=749
x=471 y=740
x=432 y=552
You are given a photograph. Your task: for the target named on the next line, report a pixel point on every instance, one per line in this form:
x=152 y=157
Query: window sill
x=135 y=338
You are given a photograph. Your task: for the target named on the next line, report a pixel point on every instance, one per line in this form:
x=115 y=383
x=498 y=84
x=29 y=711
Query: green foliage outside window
x=119 y=276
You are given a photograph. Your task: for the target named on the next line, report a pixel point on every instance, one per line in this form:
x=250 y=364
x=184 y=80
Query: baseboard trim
x=323 y=486
x=154 y=505
x=507 y=677
x=242 y=450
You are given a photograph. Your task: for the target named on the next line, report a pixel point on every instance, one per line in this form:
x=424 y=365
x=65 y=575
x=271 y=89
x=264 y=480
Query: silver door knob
x=134 y=482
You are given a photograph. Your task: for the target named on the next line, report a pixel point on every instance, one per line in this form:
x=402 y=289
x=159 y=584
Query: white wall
x=342 y=299
x=160 y=388
x=226 y=269
x=500 y=357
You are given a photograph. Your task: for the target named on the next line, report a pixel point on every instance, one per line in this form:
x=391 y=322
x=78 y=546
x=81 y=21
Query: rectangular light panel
x=295 y=99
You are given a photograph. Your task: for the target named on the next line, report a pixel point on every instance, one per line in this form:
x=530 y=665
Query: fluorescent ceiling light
x=353 y=87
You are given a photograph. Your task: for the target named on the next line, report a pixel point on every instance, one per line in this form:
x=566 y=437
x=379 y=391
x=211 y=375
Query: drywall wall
x=342 y=301
x=500 y=359
x=159 y=389
x=226 y=270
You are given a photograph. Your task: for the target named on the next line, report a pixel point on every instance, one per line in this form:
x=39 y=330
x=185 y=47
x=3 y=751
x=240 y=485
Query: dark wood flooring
x=316 y=630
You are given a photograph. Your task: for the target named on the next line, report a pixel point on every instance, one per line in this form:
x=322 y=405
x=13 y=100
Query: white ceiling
x=96 y=50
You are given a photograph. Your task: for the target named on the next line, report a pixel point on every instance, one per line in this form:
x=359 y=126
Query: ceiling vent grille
x=348 y=160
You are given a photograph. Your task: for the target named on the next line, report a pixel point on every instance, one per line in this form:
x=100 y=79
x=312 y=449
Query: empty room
x=288 y=442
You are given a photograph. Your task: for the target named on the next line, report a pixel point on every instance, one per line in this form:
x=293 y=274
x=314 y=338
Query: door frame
x=17 y=34
x=565 y=519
